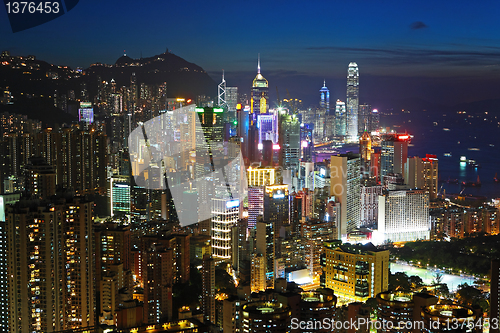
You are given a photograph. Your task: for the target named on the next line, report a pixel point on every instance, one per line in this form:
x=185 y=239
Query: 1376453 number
x=41 y=7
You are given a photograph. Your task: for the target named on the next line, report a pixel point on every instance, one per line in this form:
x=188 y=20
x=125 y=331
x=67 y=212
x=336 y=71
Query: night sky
x=446 y=52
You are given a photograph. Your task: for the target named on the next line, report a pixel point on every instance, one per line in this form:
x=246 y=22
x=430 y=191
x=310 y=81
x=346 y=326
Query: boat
x=447 y=154
x=495 y=179
x=472 y=184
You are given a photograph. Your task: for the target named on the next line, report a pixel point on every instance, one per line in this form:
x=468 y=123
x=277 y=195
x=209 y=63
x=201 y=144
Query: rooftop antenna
x=124 y=53
x=223 y=76
x=324 y=83
x=258 y=64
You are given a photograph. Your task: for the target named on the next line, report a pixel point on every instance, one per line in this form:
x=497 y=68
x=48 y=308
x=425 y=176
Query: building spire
x=258 y=64
x=324 y=83
x=223 y=76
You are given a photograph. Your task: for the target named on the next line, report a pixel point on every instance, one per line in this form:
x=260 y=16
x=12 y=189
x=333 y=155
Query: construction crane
x=292 y=105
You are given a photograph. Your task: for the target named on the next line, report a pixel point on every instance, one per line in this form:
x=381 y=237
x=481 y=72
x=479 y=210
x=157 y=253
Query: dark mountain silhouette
x=182 y=77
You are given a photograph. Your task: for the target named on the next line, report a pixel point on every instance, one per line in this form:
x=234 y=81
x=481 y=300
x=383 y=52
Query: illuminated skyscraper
x=352 y=103
x=225 y=215
x=324 y=101
x=221 y=93
x=289 y=139
x=50 y=249
x=345 y=185
x=340 y=119
x=364 y=116
x=403 y=216
x=259 y=100
x=393 y=154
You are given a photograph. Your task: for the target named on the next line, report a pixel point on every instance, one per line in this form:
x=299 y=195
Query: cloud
x=418 y=25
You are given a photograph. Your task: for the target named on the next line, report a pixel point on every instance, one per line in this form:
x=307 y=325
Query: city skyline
x=425 y=51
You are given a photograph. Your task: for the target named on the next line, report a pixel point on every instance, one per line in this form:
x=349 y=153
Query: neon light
x=260 y=146
x=403 y=137
x=232 y=204
x=304 y=144
x=200 y=110
x=276 y=147
x=218 y=110
x=279 y=196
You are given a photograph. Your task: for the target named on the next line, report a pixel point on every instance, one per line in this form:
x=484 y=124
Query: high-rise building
x=352 y=102
x=439 y=318
x=289 y=138
x=345 y=185
x=263 y=176
x=422 y=173
x=258 y=273
x=355 y=272
x=340 y=119
x=393 y=155
x=365 y=147
x=259 y=97
x=374 y=121
x=255 y=204
x=403 y=216
x=40 y=178
x=369 y=205
x=365 y=111
x=324 y=99
x=225 y=215
x=120 y=195
x=208 y=288
x=50 y=249
x=221 y=93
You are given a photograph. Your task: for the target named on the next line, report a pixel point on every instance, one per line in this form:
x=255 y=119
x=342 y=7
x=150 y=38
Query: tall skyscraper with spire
x=221 y=93
x=324 y=101
x=259 y=94
x=352 y=103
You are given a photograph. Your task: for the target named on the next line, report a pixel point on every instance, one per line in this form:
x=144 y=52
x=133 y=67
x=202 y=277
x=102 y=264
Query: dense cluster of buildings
x=107 y=224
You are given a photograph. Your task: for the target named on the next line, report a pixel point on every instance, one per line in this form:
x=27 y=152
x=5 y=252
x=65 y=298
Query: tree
x=438 y=278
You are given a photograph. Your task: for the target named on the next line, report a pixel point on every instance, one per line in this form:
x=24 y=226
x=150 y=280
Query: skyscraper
x=225 y=215
x=345 y=184
x=352 y=104
x=324 y=101
x=364 y=117
x=340 y=119
x=259 y=99
x=393 y=154
x=289 y=138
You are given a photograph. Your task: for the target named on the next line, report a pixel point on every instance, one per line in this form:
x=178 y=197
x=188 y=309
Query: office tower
x=403 y=216
x=324 y=99
x=345 y=185
x=212 y=125
x=365 y=148
x=340 y=119
x=352 y=102
x=374 y=121
x=400 y=307
x=316 y=232
x=232 y=103
x=255 y=204
x=268 y=128
x=289 y=139
x=263 y=176
x=208 y=288
x=225 y=214
x=259 y=95
x=306 y=142
x=50 y=249
x=258 y=273
x=369 y=205
x=120 y=202
x=494 y=300
x=422 y=173
x=393 y=154
x=221 y=93
x=440 y=317
x=40 y=178
x=364 y=116
x=266 y=316
x=356 y=272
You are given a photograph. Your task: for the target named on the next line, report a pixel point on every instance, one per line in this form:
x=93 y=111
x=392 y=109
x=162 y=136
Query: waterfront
x=427 y=275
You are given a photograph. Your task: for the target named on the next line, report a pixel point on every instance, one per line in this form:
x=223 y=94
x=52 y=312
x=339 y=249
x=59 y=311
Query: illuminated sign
x=232 y=204
x=279 y=196
x=403 y=137
x=2 y=210
x=218 y=110
x=276 y=147
x=238 y=106
x=200 y=110
x=86 y=115
x=304 y=144
x=260 y=146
